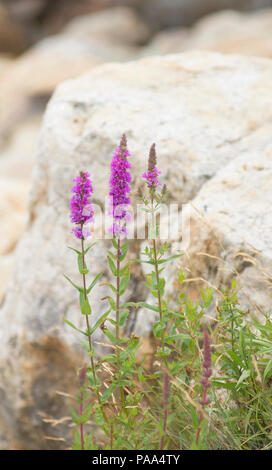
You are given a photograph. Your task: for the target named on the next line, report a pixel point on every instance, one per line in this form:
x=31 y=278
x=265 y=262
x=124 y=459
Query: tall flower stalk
x=151 y=177
x=82 y=213
x=120 y=180
x=155 y=281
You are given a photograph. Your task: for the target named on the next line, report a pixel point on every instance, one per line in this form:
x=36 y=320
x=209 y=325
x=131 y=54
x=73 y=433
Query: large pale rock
x=6 y=265
x=17 y=156
x=13 y=212
x=233 y=223
x=16 y=164
x=204 y=110
x=227 y=32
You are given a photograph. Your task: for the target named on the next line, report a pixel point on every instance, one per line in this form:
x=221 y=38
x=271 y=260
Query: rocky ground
x=211 y=117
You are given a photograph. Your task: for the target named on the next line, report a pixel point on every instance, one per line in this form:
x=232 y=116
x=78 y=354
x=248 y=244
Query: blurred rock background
x=46 y=42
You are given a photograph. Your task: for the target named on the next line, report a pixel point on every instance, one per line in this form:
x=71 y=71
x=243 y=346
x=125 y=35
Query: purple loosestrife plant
x=119 y=183
x=156 y=283
x=82 y=213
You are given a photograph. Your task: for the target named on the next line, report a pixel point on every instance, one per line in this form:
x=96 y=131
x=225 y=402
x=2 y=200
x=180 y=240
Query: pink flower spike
x=81 y=207
x=120 y=180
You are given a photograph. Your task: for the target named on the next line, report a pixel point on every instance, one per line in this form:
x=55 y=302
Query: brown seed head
x=152 y=159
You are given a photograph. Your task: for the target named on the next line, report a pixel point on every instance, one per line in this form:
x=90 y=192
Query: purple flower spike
x=119 y=188
x=81 y=207
x=207 y=371
x=152 y=173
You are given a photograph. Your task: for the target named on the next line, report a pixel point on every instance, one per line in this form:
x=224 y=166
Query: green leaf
x=226 y=385
x=77 y=440
x=123 y=316
x=124 y=250
x=112 y=266
x=171 y=338
x=158 y=329
x=114 y=257
x=161 y=261
x=86 y=308
x=73 y=414
x=110 y=335
x=111 y=286
x=85 y=415
x=76 y=251
x=108 y=392
x=164 y=353
x=144 y=261
x=248 y=416
x=161 y=285
x=95 y=281
x=181 y=277
x=74 y=327
x=268 y=370
x=114 y=242
x=100 y=321
x=99 y=417
x=242 y=345
x=125 y=270
x=73 y=284
x=123 y=285
x=129 y=304
x=133 y=344
x=82 y=269
x=89 y=247
x=150 y=307
x=235 y=358
x=112 y=303
x=245 y=374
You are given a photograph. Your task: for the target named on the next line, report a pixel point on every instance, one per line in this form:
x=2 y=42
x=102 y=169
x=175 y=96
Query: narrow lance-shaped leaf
x=85 y=415
x=123 y=284
x=73 y=284
x=74 y=327
x=82 y=269
x=112 y=266
x=95 y=281
x=100 y=321
x=85 y=307
x=124 y=250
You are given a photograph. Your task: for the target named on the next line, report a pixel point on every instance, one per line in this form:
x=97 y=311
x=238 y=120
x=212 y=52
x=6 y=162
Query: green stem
x=157 y=271
x=118 y=297
x=157 y=278
x=89 y=335
x=117 y=319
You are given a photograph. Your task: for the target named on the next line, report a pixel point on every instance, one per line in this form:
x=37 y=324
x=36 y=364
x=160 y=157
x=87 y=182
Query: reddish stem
x=81 y=424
